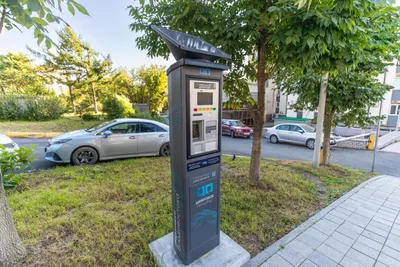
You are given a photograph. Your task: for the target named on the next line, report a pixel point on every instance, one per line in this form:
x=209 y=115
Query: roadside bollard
x=371 y=142
x=321 y=155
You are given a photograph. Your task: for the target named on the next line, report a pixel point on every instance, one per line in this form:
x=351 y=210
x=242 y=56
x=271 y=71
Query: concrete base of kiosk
x=228 y=253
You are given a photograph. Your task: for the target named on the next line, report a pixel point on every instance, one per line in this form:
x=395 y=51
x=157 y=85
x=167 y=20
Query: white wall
x=386 y=103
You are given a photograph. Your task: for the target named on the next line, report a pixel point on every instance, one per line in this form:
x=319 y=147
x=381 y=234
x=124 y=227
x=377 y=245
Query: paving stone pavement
x=362 y=228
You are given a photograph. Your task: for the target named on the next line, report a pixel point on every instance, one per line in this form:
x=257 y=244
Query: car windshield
x=98 y=126
x=237 y=123
x=308 y=129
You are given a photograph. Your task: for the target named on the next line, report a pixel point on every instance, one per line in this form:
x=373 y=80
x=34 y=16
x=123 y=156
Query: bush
x=149 y=116
x=14 y=160
x=91 y=116
x=11 y=108
x=44 y=108
x=117 y=106
x=37 y=108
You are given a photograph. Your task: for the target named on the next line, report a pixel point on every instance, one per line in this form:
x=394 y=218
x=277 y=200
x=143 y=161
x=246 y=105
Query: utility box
x=194 y=99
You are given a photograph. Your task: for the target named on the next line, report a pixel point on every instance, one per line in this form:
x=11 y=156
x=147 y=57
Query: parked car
x=120 y=138
x=236 y=128
x=293 y=133
x=7 y=142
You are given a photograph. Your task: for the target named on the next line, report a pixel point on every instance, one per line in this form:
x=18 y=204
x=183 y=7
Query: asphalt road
x=386 y=162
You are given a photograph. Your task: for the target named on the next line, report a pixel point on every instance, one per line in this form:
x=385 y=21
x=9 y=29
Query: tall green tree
x=350 y=95
x=150 y=87
x=240 y=28
x=333 y=36
x=75 y=64
x=19 y=76
x=26 y=14
x=60 y=64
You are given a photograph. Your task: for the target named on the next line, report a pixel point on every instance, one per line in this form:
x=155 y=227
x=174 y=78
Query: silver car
x=120 y=138
x=302 y=134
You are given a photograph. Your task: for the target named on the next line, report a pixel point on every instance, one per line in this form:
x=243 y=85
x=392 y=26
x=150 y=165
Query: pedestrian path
x=394 y=148
x=362 y=228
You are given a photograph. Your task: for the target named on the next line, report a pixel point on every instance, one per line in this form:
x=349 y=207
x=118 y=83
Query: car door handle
x=161 y=135
x=132 y=137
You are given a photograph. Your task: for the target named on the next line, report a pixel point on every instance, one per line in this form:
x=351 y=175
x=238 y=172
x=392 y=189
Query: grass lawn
x=65 y=124
x=106 y=215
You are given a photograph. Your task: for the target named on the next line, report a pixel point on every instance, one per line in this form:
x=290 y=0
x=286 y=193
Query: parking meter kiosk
x=194 y=98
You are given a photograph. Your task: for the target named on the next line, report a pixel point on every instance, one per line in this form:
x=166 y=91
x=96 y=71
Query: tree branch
x=3 y=18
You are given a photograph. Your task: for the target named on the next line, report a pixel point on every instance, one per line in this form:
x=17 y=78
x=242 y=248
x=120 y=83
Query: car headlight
x=61 y=141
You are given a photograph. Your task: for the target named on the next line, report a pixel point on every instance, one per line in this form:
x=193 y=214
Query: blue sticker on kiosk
x=205 y=71
x=203 y=163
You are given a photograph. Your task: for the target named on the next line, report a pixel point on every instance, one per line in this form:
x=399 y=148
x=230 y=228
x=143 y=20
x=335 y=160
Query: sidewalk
x=362 y=228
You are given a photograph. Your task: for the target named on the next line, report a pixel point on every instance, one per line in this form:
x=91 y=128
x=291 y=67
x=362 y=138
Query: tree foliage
x=240 y=28
x=75 y=64
x=36 y=14
x=349 y=97
x=19 y=76
x=150 y=87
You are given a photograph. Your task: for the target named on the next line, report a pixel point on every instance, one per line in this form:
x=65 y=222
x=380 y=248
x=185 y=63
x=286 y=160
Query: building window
x=395 y=110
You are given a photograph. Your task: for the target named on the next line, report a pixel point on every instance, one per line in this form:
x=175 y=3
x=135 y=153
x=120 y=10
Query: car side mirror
x=107 y=133
x=301 y=131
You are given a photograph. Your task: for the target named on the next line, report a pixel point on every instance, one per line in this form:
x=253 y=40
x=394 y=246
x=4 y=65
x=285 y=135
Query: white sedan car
x=120 y=138
x=7 y=142
x=302 y=134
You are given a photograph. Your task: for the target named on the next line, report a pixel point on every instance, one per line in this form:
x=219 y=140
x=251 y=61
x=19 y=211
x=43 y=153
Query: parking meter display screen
x=199 y=85
x=204 y=99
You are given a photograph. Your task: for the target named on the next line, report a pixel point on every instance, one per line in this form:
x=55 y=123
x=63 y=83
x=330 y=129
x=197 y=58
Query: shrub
x=91 y=116
x=117 y=107
x=14 y=160
x=37 y=108
x=149 y=116
x=11 y=108
x=44 y=108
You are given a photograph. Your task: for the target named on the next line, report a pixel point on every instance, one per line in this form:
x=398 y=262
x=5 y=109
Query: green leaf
x=40 y=21
x=48 y=44
x=50 y=18
x=310 y=41
x=81 y=8
x=272 y=9
x=71 y=8
x=34 y=5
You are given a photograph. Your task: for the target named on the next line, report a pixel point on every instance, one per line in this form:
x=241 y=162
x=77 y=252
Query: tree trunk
x=12 y=250
x=320 y=119
x=3 y=18
x=71 y=98
x=327 y=137
x=259 y=116
x=94 y=98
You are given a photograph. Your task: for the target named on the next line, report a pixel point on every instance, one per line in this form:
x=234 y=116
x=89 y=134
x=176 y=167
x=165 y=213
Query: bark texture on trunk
x=12 y=250
x=320 y=119
x=71 y=98
x=327 y=137
x=94 y=98
x=259 y=114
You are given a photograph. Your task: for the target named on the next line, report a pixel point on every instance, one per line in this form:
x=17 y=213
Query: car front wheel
x=85 y=156
x=165 y=150
x=310 y=143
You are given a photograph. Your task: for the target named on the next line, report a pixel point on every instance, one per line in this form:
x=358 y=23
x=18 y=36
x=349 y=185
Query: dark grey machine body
x=195 y=178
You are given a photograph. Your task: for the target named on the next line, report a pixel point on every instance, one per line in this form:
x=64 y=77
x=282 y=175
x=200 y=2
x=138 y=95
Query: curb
x=31 y=135
x=262 y=257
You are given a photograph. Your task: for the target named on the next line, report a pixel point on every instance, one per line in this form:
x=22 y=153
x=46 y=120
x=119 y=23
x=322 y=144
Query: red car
x=236 y=128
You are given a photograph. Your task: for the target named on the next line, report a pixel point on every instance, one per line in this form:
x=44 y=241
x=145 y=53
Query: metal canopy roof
x=184 y=45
